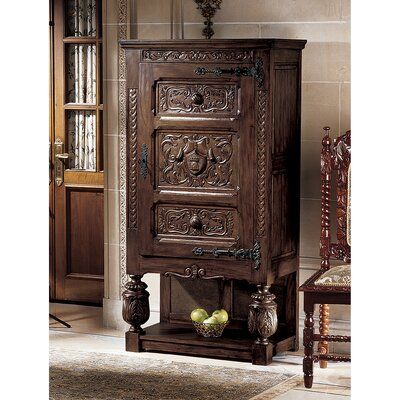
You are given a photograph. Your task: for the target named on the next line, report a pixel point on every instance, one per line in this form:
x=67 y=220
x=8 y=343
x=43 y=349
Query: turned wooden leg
x=263 y=322
x=308 y=333
x=135 y=310
x=323 y=346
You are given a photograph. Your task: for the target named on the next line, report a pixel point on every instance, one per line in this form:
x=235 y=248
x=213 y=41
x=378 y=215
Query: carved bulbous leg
x=323 y=346
x=263 y=322
x=308 y=335
x=135 y=309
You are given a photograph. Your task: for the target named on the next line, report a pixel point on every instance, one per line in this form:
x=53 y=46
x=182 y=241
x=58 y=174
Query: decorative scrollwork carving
x=181 y=98
x=197 y=55
x=195 y=160
x=193 y=272
x=342 y=159
x=195 y=221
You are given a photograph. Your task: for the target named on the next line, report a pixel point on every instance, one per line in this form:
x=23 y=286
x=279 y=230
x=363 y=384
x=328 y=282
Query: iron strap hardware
x=257 y=71
x=253 y=254
x=143 y=162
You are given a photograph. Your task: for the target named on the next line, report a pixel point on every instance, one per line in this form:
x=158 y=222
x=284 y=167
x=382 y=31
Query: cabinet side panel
x=285 y=155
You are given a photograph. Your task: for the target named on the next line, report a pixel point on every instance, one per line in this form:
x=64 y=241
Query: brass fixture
x=208 y=9
x=60 y=158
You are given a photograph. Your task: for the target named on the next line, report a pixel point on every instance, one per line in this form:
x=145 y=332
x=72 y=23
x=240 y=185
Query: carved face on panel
x=196 y=162
x=195 y=153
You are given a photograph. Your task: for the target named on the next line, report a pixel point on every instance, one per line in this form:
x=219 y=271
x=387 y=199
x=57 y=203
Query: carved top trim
x=197 y=55
x=215 y=44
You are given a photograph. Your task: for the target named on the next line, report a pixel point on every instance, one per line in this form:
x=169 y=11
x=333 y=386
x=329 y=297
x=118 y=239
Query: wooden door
x=194 y=134
x=77 y=174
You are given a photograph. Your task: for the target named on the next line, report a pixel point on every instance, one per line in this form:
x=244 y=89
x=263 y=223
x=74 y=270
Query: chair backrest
x=335 y=170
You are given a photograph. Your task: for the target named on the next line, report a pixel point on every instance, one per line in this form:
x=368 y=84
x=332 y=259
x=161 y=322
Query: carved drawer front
x=185 y=99
x=193 y=159
x=196 y=222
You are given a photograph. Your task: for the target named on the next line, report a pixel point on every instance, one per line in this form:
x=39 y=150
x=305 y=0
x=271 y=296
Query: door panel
x=196 y=160
x=78 y=190
x=193 y=135
x=189 y=99
x=85 y=239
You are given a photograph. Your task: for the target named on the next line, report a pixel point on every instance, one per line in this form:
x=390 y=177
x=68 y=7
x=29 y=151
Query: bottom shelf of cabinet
x=235 y=344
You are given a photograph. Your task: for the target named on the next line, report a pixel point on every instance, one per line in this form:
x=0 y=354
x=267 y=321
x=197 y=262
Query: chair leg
x=323 y=346
x=308 y=333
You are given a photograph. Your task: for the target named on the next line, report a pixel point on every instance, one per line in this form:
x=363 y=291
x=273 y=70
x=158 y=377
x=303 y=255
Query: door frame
x=74 y=180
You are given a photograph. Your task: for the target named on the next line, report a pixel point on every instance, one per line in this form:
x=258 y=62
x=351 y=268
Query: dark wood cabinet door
x=195 y=138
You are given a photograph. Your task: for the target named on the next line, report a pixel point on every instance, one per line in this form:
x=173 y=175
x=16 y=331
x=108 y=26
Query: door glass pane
x=80 y=16
x=81 y=73
x=81 y=132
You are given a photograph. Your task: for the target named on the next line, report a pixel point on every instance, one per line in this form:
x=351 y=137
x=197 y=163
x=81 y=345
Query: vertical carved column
x=323 y=346
x=135 y=310
x=263 y=322
x=325 y=238
x=326 y=177
x=308 y=342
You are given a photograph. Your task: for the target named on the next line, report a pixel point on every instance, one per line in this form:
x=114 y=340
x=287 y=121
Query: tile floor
x=88 y=333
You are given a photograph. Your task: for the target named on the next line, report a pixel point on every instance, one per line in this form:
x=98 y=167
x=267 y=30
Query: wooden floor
x=87 y=332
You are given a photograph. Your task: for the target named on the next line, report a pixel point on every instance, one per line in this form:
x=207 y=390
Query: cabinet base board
x=235 y=344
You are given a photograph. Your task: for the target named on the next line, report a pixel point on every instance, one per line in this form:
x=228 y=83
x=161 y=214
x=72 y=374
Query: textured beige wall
x=326 y=92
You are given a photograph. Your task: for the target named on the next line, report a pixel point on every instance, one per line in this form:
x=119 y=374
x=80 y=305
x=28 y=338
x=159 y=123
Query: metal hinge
x=257 y=71
x=253 y=254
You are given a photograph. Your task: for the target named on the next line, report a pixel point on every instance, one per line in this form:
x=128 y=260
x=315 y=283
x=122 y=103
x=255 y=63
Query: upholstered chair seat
x=339 y=275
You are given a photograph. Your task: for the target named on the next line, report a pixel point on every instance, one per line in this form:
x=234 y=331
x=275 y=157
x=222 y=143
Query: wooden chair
x=329 y=285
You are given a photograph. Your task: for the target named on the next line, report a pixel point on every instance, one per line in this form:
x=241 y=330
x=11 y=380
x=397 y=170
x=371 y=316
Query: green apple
x=221 y=316
x=198 y=315
x=211 y=321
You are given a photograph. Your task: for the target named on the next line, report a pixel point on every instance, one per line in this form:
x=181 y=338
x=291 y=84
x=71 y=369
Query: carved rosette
x=262 y=320
x=195 y=160
x=135 y=308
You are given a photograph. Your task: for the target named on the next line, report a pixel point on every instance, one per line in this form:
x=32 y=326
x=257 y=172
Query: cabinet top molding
x=296 y=44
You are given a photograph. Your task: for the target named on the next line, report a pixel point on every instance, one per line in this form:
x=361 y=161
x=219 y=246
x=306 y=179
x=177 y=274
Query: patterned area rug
x=76 y=375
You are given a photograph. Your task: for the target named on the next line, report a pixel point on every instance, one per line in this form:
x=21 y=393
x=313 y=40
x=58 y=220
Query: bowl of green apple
x=209 y=326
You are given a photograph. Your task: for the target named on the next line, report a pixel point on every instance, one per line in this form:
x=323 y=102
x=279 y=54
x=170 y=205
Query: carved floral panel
x=204 y=160
x=197 y=55
x=196 y=221
x=188 y=98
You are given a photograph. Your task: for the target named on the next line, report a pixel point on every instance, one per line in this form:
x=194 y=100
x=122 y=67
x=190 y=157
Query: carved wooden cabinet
x=213 y=150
